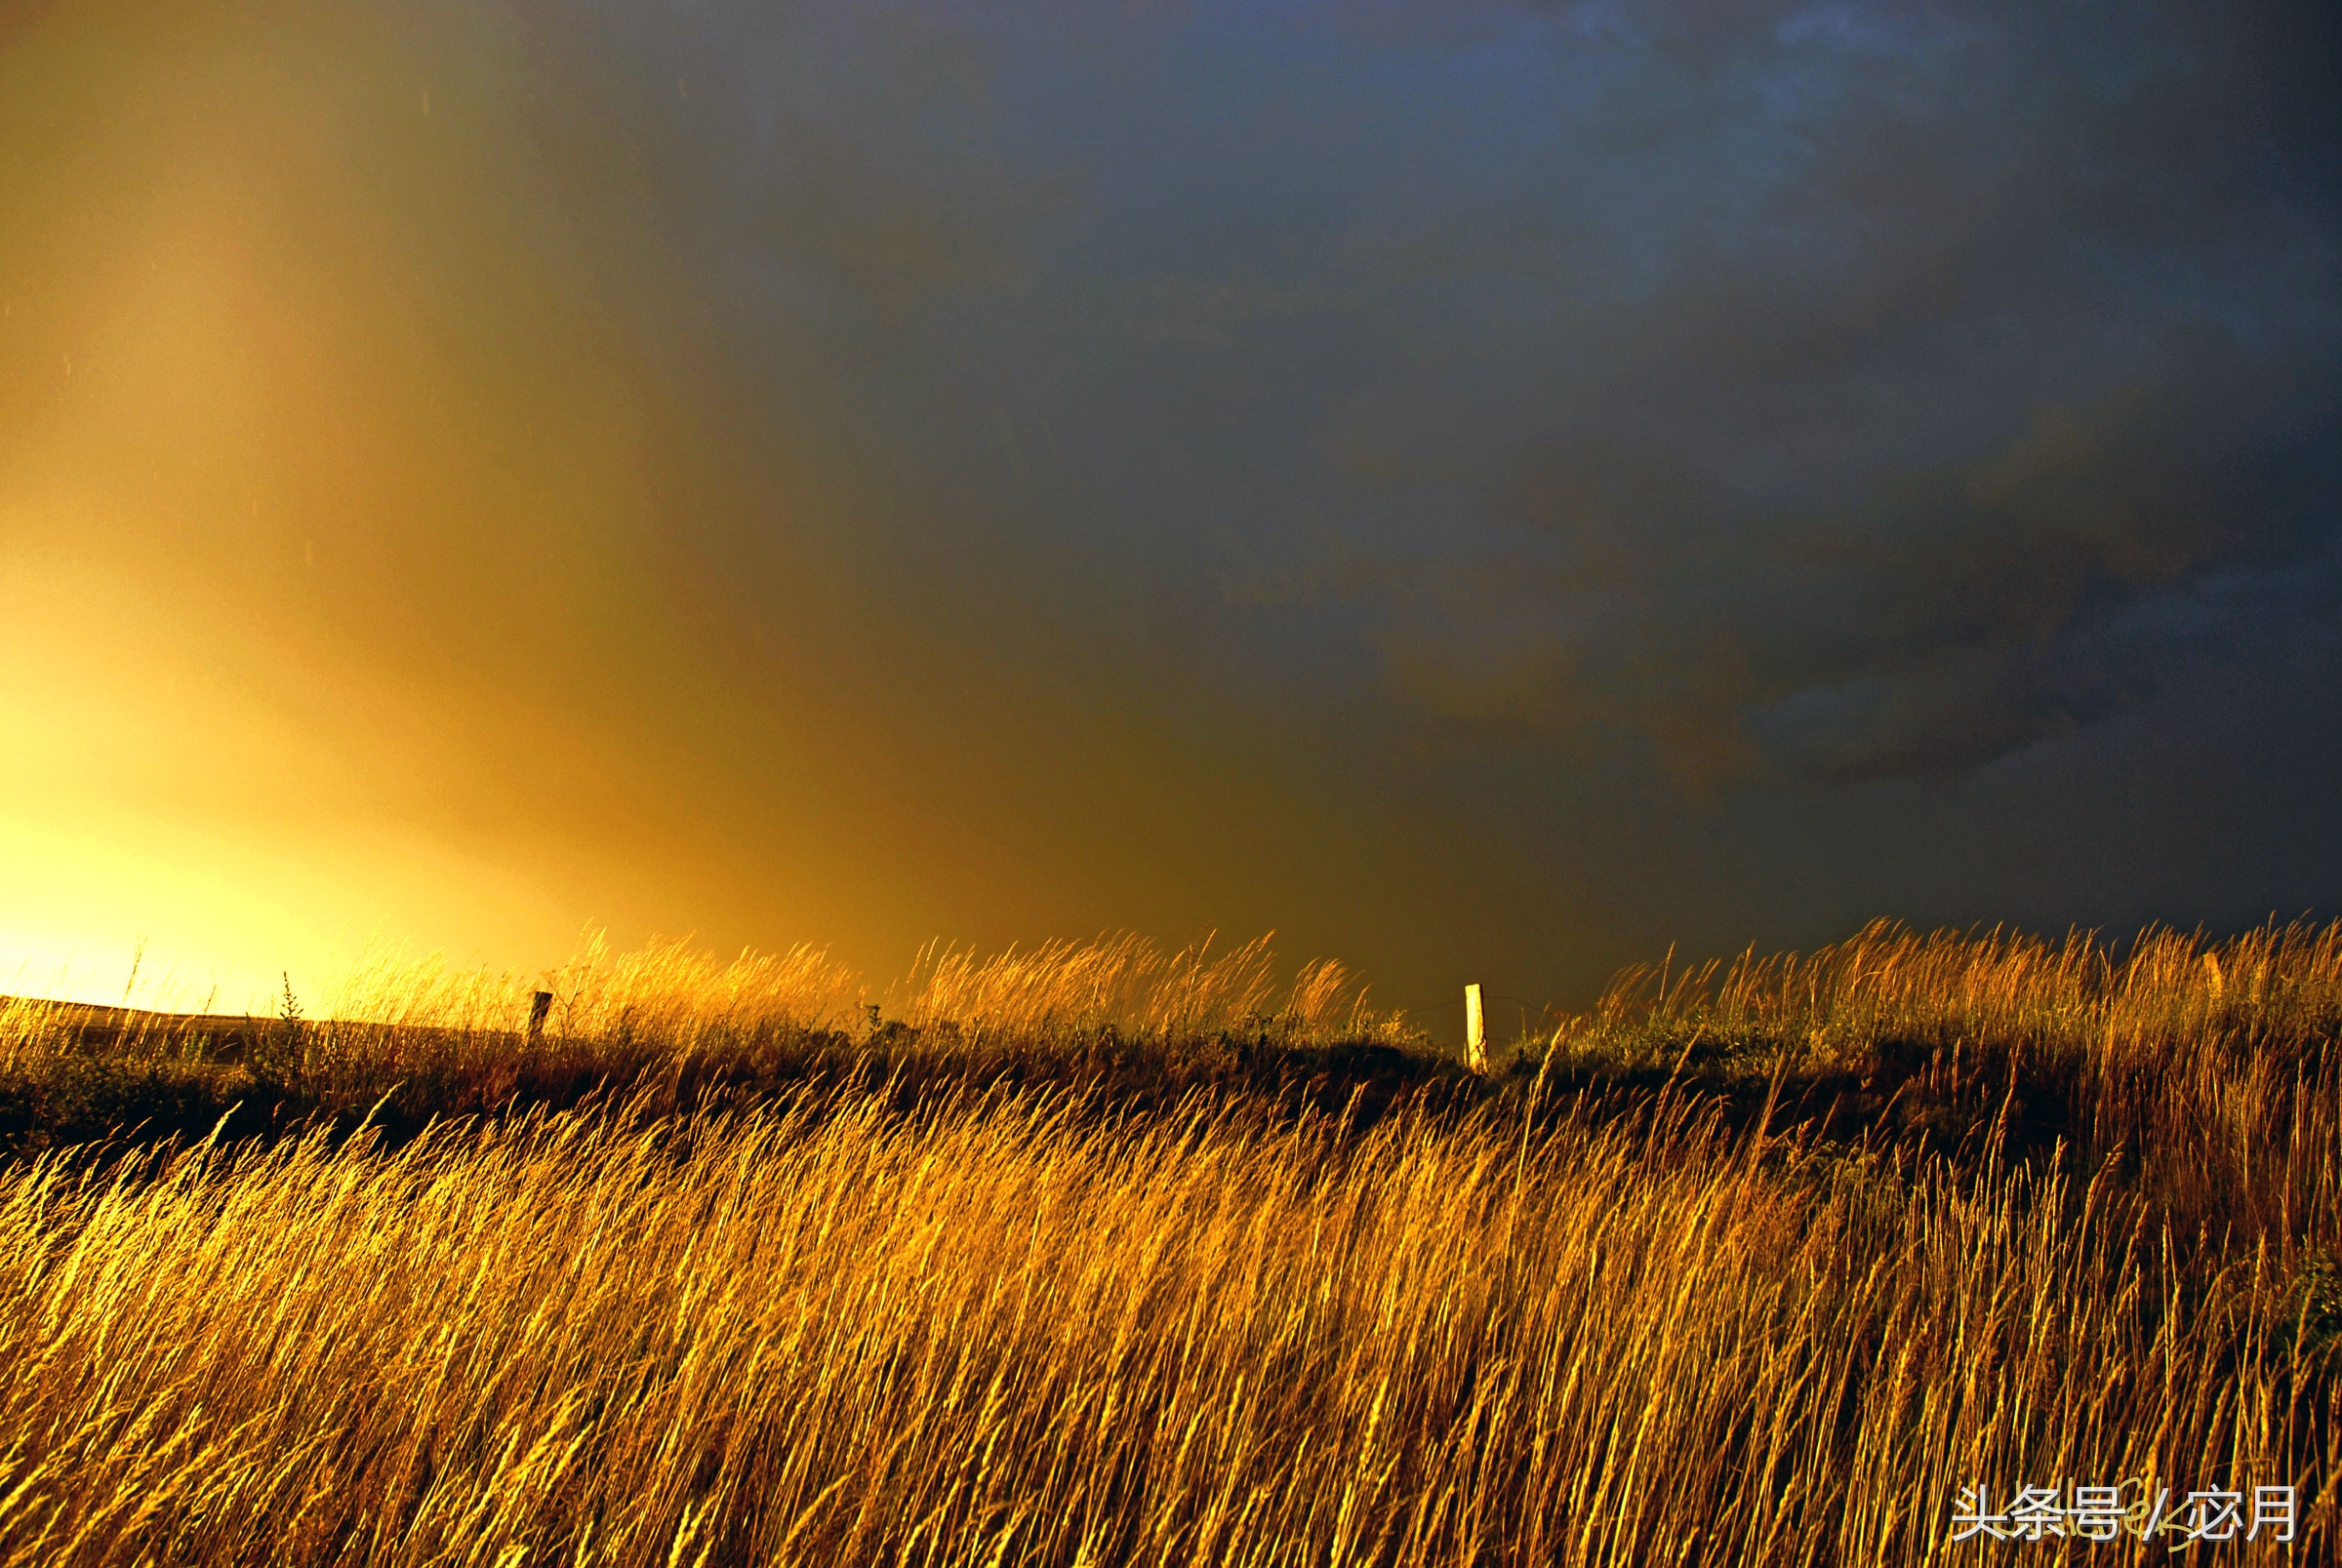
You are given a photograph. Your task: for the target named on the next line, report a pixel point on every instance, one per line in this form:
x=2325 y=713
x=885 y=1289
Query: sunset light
x=1182 y=782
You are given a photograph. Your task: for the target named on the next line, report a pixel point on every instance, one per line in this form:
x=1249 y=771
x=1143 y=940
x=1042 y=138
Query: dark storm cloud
x=1784 y=396
x=1478 y=486
x=1962 y=344
x=1847 y=390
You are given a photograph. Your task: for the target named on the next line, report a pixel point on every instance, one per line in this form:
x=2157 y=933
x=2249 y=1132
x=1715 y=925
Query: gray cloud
x=1806 y=395
x=1952 y=341
x=1466 y=482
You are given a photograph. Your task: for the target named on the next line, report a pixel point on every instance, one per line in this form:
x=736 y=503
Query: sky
x=1484 y=490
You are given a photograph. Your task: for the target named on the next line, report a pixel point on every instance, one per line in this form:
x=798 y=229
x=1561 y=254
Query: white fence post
x=1475 y=1031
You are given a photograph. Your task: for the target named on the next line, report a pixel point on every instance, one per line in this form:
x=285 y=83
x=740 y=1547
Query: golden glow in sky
x=1482 y=491
x=321 y=604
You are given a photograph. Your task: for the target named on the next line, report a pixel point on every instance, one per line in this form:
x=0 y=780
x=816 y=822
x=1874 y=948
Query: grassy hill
x=1098 y=1254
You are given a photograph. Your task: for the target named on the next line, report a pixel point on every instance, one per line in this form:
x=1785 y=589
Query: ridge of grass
x=1757 y=1264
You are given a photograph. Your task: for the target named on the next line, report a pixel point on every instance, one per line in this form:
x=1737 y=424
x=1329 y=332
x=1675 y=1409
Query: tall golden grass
x=426 y=1038
x=684 y=998
x=2212 y=1065
x=1127 y=985
x=2274 y=984
x=1576 y=1322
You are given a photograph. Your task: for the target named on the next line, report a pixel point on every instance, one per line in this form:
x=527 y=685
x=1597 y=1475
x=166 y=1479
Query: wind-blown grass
x=409 y=1040
x=2211 y=1069
x=1576 y=1318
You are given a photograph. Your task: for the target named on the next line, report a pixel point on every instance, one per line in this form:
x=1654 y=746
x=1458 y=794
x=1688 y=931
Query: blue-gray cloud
x=1460 y=480
x=1820 y=389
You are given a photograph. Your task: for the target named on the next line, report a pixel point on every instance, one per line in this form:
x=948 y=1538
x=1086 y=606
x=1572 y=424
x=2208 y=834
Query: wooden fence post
x=1475 y=1031
x=541 y=1005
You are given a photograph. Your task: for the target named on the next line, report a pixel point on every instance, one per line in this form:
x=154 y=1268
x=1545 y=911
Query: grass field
x=1100 y=1255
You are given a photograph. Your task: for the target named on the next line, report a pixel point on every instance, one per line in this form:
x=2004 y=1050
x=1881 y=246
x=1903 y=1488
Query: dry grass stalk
x=1077 y=990
x=1004 y=1332
x=997 y=1327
